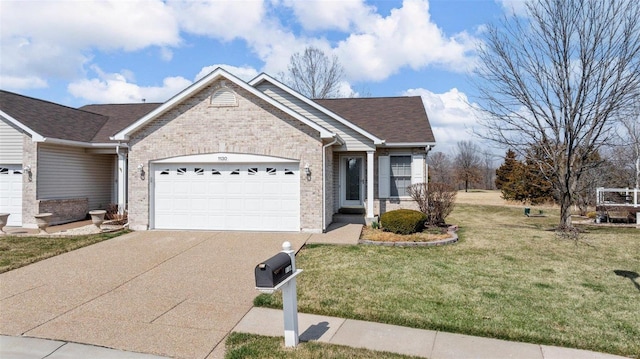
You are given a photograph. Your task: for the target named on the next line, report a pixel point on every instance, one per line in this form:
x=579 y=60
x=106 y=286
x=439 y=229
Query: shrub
x=403 y=221
x=436 y=200
x=592 y=215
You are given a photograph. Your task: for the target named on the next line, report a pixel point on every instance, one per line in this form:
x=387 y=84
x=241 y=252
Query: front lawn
x=509 y=277
x=18 y=251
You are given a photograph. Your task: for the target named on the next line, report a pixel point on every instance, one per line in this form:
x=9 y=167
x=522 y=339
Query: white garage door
x=11 y=193
x=246 y=197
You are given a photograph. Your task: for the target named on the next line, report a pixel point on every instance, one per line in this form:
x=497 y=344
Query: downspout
x=425 y=170
x=324 y=182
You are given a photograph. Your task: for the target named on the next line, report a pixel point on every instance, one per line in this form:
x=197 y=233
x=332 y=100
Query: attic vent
x=224 y=97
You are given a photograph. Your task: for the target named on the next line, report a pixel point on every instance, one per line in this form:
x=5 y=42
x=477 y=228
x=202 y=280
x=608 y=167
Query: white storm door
x=351 y=181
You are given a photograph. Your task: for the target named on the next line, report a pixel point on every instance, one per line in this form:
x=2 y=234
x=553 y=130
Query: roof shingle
x=393 y=119
x=120 y=116
x=52 y=120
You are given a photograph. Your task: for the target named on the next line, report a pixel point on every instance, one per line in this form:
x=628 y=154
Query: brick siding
x=252 y=127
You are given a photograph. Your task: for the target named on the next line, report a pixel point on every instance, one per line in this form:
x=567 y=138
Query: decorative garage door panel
x=247 y=197
x=11 y=193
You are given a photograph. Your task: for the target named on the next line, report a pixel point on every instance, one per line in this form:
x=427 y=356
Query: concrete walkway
x=402 y=340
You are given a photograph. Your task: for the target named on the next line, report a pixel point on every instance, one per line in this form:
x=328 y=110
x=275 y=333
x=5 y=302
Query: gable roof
x=397 y=120
x=215 y=75
x=264 y=77
x=43 y=119
x=120 y=116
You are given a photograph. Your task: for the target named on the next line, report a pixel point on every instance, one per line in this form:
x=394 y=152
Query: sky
x=124 y=51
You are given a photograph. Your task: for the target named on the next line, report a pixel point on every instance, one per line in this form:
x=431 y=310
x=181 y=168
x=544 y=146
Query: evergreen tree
x=505 y=171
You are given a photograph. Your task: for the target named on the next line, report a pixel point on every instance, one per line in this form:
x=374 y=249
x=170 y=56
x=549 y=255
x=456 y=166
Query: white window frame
x=384 y=172
x=391 y=176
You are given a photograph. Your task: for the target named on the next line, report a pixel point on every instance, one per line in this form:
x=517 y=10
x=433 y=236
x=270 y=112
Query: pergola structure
x=618 y=203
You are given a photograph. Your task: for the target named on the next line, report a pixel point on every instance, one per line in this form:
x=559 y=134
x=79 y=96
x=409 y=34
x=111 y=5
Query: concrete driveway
x=174 y=294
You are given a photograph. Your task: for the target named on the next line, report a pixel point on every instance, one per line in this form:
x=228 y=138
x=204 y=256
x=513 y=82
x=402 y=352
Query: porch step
x=351 y=210
x=349 y=218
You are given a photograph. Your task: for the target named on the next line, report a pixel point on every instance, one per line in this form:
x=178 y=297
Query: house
x=223 y=154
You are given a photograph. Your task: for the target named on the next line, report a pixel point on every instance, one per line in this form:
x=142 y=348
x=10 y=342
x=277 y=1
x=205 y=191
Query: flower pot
x=42 y=221
x=97 y=217
x=4 y=218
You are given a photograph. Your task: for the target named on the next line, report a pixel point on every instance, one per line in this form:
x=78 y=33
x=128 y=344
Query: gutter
x=336 y=139
x=58 y=141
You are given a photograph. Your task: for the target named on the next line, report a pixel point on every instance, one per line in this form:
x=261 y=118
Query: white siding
x=354 y=141
x=70 y=172
x=10 y=144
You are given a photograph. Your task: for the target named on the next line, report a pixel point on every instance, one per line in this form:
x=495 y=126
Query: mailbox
x=273 y=271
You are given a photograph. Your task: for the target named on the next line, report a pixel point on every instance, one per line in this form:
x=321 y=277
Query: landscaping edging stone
x=451 y=231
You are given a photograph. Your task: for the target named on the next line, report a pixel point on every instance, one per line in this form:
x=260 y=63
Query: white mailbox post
x=289 y=299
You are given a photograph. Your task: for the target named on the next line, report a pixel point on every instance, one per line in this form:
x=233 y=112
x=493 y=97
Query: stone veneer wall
x=252 y=127
x=29 y=202
x=64 y=210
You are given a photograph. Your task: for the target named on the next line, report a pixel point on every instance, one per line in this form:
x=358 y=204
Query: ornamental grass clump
x=403 y=221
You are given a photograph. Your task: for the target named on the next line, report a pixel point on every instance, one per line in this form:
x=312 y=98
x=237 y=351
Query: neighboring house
x=221 y=155
x=58 y=159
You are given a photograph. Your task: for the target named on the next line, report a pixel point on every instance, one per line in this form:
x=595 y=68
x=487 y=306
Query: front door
x=351 y=170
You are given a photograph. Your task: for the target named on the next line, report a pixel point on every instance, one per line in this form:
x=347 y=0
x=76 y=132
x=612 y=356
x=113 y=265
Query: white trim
x=409 y=144
x=207 y=80
x=370 y=160
x=57 y=141
x=264 y=77
x=324 y=181
x=35 y=137
x=224 y=157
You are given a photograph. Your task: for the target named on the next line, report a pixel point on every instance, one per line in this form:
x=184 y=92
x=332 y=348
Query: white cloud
x=513 y=7
x=450 y=116
x=21 y=82
x=330 y=15
x=405 y=38
x=58 y=39
x=121 y=87
x=225 y=20
x=53 y=39
x=245 y=73
x=117 y=88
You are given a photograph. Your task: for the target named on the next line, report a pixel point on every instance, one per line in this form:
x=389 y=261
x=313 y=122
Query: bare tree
x=631 y=124
x=313 y=74
x=440 y=168
x=560 y=78
x=489 y=170
x=467 y=164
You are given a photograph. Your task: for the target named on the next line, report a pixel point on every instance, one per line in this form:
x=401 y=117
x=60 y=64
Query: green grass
x=241 y=345
x=19 y=251
x=509 y=277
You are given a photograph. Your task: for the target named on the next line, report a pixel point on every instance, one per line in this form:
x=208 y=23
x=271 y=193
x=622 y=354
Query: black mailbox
x=273 y=271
